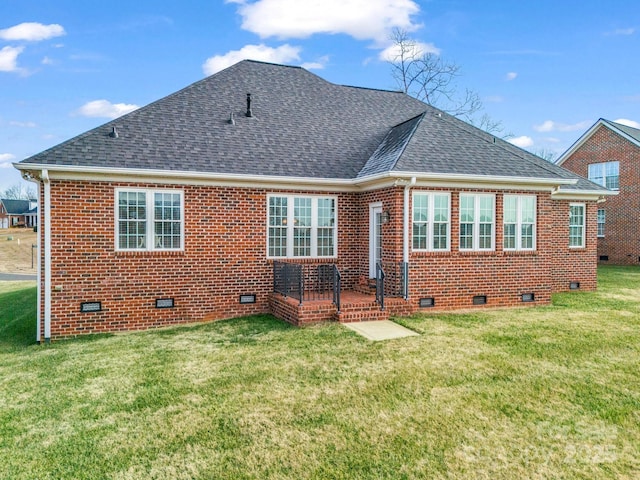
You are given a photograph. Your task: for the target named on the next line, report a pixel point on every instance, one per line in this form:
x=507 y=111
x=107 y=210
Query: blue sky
x=546 y=69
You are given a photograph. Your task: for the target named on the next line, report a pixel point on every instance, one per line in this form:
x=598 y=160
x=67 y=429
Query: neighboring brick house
x=304 y=199
x=18 y=213
x=609 y=154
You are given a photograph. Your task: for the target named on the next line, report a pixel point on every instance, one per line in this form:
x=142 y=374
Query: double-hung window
x=519 y=219
x=602 y=216
x=576 y=225
x=477 y=221
x=606 y=174
x=301 y=226
x=150 y=220
x=431 y=221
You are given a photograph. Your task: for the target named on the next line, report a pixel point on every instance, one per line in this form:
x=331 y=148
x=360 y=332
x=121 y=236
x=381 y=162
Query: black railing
x=392 y=280
x=380 y=284
x=307 y=281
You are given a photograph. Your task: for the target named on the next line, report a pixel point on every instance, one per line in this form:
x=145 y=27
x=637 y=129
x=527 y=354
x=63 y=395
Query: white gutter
x=74 y=172
x=47 y=255
x=406 y=222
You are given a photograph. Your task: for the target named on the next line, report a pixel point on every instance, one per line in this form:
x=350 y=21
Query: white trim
x=518 y=223
x=476 y=222
x=584 y=225
x=374 y=208
x=314 y=226
x=587 y=135
x=69 y=172
x=150 y=220
x=47 y=255
x=431 y=220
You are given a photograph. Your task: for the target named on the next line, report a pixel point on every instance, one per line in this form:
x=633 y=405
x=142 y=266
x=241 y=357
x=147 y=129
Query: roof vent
x=232 y=121
x=114 y=133
x=249 y=112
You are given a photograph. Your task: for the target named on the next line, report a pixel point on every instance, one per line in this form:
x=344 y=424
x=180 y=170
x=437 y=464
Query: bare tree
x=428 y=77
x=18 y=191
x=545 y=154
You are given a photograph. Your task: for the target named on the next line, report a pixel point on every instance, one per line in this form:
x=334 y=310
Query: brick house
x=608 y=153
x=264 y=188
x=18 y=213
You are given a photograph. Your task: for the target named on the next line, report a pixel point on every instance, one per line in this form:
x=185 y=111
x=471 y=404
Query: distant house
x=264 y=188
x=608 y=153
x=18 y=213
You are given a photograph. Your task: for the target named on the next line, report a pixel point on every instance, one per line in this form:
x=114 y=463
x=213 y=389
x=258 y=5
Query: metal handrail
x=380 y=285
x=337 y=286
x=307 y=281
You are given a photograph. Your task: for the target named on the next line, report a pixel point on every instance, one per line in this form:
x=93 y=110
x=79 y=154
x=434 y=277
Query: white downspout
x=39 y=259
x=406 y=218
x=406 y=233
x=47 y=255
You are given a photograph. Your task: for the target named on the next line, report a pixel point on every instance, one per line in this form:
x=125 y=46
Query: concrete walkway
x=380 y=330
x=13 y=277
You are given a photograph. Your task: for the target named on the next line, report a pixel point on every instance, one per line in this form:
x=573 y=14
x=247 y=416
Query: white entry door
x=375 y=237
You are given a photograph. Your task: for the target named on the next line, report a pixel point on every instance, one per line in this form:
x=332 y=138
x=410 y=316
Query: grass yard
x=535 y=393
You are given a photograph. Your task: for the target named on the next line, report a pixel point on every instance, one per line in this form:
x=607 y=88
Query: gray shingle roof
x=632 y=132
x=302 y=126
x=16 y=207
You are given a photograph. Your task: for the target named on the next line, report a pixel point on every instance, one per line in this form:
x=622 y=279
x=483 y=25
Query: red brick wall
x=225 y=256
x=621 y=242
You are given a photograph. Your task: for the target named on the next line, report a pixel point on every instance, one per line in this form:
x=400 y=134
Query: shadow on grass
x=18 y=318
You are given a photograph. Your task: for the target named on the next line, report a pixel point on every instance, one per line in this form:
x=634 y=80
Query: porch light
x=385 y=217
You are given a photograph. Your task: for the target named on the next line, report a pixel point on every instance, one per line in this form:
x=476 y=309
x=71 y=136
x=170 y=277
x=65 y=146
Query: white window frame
x=476 y=222
x=150 y=243
x=602 y=220
x=582 y=227
x=314 y=226
x=519 y=223
x=599 y=173
x=430 y=222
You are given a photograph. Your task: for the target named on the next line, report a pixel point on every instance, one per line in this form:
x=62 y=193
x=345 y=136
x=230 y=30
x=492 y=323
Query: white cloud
x=32 y=31
x=282 y=54
x=104 y=108
x=511 y=76
x=361 y=19
x=628 y=123
x=522 y=142
x=415 y=49
x=622 y=31
x=319 y=64
x=493 y=99
x=5 y=160
x=9 y=59
x=14 y=123
x=551 y=126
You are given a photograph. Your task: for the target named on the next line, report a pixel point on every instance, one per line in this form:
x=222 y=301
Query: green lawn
x=536 y=393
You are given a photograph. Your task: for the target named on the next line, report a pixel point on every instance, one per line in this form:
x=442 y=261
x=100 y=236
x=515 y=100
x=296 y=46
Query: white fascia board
x=589 y=133
x=582 y=194
x=180 y=177
x=371 y=182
